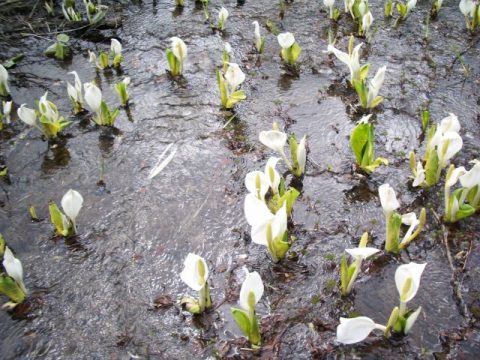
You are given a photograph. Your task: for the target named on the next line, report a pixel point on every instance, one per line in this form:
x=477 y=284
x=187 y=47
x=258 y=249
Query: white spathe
x=302 y=153
x=362 y=252
x=388 y=199
x=411 y=220
x=375 y=84
x=411 y=320
x=72 y=202
x=93 y=97
x=351 y=60
x=329 y=3
x=367 y=21
x=277 y=224
x=471 y=178
x=4 y=77
x=257 y=183
x=351 y=331
x=195 y=272
x=7 y=110
x=273 y=139
x=467 y=7
x=251 y=285
x=258 y=37
x=13 y=267
x=450 y=144
x=455 y=175
x=27 y=115
x=223 y=14
x=115 y=47
x=404 y=272
x=286 y=40
x=411 y=4
x=234 y=76
x=273 y=177
x=420 y=175
x=178 y=48
x=227 y=47
x=75 y=92
x=256 y=211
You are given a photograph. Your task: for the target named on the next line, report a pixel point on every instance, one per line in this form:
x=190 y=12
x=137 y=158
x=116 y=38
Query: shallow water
x=92 y=296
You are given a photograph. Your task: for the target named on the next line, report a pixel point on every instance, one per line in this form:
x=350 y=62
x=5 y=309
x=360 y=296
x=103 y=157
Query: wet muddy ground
x=112 y=292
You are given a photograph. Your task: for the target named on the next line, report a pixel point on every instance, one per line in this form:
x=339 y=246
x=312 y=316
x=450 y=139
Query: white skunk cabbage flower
x=286 y=40
x=257 y=183
x=258 y=36
x=351 y=60
x=302 y=154
x=351 y=331
x=407 y=280
x=274 y=226
x=234 y=76
x=450 y=144
x=4 y=81
x=7 y=111
x=272 y=175
x=13 y=267
x=467 y=7
x=227 y=47
x=115 y=47
x=420 y=175
x=75 y=92
x=388 y=199
x=251 y=291
x=456 y=175
x=273 y=139
x=411 y=320
x=409 y=219
x=256 y=211
x=361 y=253
x=72 y=202
x=223 y=14
x=411 y=4
x=93 y=97
x=375 y=85
x=178 y=48
x=27 y=115
x=367 y=21
x=195 y=272
x=471 y=177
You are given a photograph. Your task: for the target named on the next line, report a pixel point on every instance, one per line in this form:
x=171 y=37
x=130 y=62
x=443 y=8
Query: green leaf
x=242 y=320
x=293 y=150
x=56 y=217
x=344 y=280
x=294 y=51
x=364 y=71
x=359 y=138
x=172 y=62
x=281 y=245
x=2 y=245
x=431 y=168
x=425 y=119
x=12 y=62
x=51 y=50
x=289 y=197
x=361 y=90
x=63 y=38
x=393 y=232
x=377 y=101
x=10 y=288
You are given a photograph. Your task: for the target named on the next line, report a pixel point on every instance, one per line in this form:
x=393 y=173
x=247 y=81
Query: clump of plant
x=291 y=50
x=75 y=94
x=5 y=115
x=394 y=221
x=334 y=12
x=464 y=201
x=59 y=49
x=259 y=40
x=228 y=85
x=69 y=11
x=222 y=18
x=176 y=56
x=407 y=281
x=471 y=11
x=11 y=279
x=105 y=60
x=362 y=144
x=195 y=275
x=95 y=11
x=352 y=60
x=121 y=89
x=65 y=223
x=246 y=318
x=51 y=123
x=443 y=142
x=102 y=114
x=349 y=273
x=276 y=140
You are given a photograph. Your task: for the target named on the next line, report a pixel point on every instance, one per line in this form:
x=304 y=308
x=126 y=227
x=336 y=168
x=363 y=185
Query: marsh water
x=113 y=291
